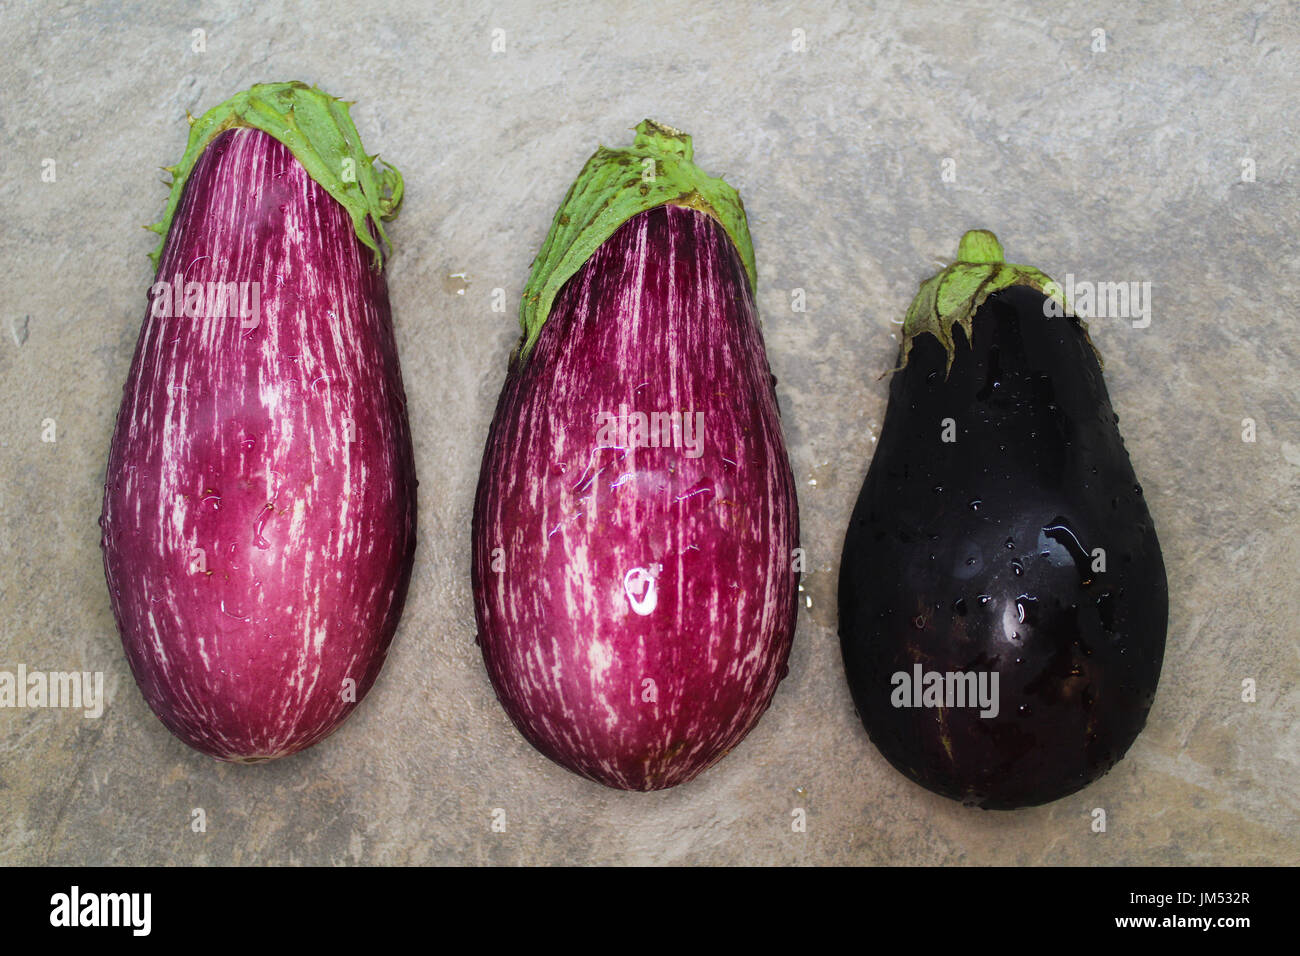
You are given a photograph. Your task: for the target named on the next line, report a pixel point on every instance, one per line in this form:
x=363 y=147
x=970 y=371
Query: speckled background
x=1122 y=164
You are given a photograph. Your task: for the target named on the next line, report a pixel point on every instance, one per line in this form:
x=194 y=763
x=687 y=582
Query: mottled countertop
x=864 y=140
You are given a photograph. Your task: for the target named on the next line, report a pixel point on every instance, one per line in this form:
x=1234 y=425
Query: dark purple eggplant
x=1002 y=596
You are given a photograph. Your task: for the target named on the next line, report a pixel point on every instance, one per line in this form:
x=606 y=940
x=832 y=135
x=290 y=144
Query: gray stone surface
x=1125 y=164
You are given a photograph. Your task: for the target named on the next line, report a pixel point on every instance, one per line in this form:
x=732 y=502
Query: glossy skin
x=976 y=555
x=235 y=441
x=636 y=604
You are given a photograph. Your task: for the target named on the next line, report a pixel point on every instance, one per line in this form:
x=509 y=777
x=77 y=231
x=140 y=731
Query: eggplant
x=1002 y=596
x=258 y=523
x=635 y=523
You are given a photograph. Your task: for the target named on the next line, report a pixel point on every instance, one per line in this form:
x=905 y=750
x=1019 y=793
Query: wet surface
x=1123 y=165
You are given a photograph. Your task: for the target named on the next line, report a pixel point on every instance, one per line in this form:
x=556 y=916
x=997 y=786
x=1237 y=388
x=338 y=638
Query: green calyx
x=319 y=132
x=953 y=296
x=614 y=186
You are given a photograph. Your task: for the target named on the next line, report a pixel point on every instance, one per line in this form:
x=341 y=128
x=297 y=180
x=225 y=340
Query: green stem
x=953 y=296
x=615 y=185
x=318 y=130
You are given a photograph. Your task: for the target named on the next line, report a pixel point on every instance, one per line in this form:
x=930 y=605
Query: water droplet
x=237 y=615
x=975 y=504
x=984 y=599
x=266 y=513
x=640 y=586
x=1063 y=534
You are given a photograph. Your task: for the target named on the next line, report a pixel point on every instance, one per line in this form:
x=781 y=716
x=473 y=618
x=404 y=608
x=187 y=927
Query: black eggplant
x=1002 y=596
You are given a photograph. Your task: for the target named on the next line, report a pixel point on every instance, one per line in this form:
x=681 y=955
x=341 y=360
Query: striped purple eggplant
x=635 y=530
x=259 y=504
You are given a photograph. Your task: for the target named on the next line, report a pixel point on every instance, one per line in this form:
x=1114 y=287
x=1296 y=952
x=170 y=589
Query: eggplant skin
x=978 y=556
x=259 y=503
x=659 y=319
